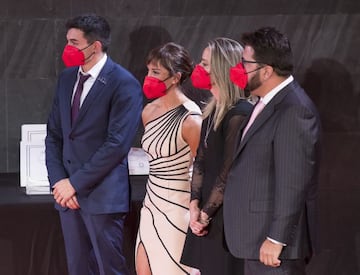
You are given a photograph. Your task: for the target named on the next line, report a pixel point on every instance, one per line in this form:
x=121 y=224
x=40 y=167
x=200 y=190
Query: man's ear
x=268 y=71
x=98 y=46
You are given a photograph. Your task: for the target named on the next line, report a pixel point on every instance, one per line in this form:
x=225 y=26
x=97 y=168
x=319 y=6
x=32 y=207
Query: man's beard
x=254 y=83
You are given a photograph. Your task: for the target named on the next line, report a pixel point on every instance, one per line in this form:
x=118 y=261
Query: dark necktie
x=76 y=101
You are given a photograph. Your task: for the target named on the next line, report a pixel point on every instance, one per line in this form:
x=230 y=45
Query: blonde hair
x=224 y=53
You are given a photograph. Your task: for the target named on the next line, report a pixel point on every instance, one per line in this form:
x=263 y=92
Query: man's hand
x=72 y=203
x=63 y=191
x=270 y=252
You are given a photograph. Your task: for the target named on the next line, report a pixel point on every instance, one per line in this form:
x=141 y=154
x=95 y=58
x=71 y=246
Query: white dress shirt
x=94 y=73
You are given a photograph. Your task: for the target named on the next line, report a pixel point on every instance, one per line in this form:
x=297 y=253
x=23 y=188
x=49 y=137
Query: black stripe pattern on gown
x=165 y=213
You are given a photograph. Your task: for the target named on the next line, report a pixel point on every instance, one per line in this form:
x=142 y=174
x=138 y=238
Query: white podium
x=33 y=173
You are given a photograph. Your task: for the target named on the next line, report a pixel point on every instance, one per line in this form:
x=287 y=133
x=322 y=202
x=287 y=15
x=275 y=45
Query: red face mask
x=73 y=56
x=154 y=87
x=200 y=78
x=239 y=76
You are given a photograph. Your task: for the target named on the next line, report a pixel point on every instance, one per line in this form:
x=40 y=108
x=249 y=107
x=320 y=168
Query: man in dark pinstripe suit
x=270 y=197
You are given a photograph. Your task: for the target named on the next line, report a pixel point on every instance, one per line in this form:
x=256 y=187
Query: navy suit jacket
x=272 y=185
x=92 y=153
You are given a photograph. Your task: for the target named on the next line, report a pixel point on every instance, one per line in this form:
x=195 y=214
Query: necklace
x=209 y=126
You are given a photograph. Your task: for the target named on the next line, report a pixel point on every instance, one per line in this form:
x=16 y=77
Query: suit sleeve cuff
x=276 y=242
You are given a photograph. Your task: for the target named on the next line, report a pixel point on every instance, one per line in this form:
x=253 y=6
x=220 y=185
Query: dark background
x=325 y=36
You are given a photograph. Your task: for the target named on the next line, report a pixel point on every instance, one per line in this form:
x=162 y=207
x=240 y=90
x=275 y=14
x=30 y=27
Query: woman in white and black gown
x=172 y=125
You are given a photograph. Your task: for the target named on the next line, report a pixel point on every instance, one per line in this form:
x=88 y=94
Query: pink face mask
x=154 y=87
x=239 y=76
x=73 y=56
x=200 y=78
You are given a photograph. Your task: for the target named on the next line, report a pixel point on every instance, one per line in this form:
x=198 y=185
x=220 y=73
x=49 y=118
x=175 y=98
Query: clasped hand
x=198 y=221
x=64 y=194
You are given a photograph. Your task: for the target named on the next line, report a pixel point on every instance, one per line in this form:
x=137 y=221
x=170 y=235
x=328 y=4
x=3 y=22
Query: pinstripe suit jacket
x=272 y=185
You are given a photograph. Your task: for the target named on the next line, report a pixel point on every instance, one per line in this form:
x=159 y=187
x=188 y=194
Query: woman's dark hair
x=272 y=48
x=174 y=58
x=95 y=28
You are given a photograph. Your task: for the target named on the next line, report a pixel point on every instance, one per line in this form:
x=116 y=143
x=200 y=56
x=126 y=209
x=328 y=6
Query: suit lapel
x=263 y=117
x=96 y=90
x=69 y=83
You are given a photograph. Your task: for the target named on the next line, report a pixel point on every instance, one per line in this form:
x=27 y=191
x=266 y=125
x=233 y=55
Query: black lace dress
x=214 y=157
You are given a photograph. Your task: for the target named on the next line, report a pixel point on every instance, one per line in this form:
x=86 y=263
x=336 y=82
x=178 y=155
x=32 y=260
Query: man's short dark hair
x=272 y=48
x=95 y=28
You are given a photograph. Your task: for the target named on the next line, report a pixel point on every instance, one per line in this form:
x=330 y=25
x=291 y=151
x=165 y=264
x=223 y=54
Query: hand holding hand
x=194 y=211
x=198 y=227
x=204 y=218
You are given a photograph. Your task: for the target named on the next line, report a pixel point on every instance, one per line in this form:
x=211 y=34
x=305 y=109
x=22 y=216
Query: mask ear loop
x=258 y=68
x=166 y=78
x=89 y=56
x=85 y=59
x=167 y=88
x=86 y=46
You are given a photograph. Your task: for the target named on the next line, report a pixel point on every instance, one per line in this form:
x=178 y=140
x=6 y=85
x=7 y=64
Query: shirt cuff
x=276 y=242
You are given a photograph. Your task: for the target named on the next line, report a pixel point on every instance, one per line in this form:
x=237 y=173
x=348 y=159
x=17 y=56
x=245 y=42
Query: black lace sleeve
x=197 y=175
x=231 y=131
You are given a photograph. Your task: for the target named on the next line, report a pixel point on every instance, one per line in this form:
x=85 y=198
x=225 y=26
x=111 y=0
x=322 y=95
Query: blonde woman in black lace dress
x=205 y=247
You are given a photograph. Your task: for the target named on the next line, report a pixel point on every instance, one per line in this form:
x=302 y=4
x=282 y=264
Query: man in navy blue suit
x=94 y=118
